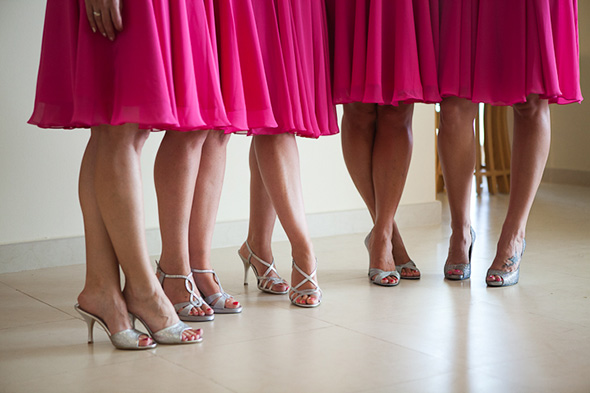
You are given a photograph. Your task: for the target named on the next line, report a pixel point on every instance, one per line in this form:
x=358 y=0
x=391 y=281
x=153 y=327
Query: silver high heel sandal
x=464 y=267
x=264 y=282
x=217 y=300
x=295 y=293
x=125 y=339
x=195 y=301
x=170 y=335
x=506 y=278
x=376 y=276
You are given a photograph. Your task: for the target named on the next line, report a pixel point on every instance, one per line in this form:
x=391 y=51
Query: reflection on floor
x=423 y=336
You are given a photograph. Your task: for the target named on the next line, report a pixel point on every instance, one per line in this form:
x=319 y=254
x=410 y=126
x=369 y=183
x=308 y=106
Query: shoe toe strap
x=379 y=274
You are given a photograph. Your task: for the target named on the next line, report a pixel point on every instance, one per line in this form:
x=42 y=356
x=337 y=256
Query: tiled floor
x=423 y=336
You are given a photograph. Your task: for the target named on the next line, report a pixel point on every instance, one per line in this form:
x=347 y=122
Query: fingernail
x=94 y=29
x=104 y=34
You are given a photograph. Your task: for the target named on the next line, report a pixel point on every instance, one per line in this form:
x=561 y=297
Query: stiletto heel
x=264 y=282
x=506 y=278
x=464 y=267
x=246 y=269
x=170 y=335
x=376 y=275
x=217 y=300
x=295 y=293
x=184 y=309
x=125 y=339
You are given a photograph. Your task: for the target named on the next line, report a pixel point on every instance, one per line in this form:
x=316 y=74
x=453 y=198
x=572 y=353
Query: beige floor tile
x=426 y=335
x=19 y=309
x=322 y=360
x=42 y=350
x=57 y=286
x=141 y=375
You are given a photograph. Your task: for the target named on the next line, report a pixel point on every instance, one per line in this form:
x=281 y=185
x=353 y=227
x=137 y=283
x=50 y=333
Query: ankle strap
x=199 y=271
x=190 y=286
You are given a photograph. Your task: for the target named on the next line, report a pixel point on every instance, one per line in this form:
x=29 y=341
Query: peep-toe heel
x=463 y=267
x=506 y=278
x=125 y=339
x=170 y=335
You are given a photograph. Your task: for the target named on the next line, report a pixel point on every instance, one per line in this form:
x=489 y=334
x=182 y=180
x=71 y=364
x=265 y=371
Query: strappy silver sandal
x=264 y=282
x=376 y=276
x=195 y=301
x=217 y=300
x=295 y=293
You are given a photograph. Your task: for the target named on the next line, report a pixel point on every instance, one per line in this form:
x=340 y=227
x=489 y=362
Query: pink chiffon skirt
x=500 y=51
x=275 y=69
x=384 y=51
x=161 y=71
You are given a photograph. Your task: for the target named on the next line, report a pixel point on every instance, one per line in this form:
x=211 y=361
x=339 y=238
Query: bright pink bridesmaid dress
x=500 y=51
x=275 y=68
x=161 y=71
x=383 y=51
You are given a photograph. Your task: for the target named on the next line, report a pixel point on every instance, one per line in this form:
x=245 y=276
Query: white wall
x=570 y=156
x=39 y=168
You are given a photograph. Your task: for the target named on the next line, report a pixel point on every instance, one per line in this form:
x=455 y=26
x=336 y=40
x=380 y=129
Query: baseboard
x=17 y=257
x=566 y=176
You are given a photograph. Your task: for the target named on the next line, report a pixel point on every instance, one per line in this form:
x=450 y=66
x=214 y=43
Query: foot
x=401 y=257
x=207 y=286
x=265 y=255
x=111 y=308
x=297 y=278
x=381 y=256
x=508 y=256
x=151 y=304
x=459 y=245
x=176 y=291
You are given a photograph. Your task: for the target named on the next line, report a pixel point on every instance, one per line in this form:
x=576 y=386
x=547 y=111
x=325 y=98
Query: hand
x=105 y=16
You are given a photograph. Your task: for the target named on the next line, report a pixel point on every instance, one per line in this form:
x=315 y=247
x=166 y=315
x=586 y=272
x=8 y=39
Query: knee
x=113 y=137
x=396 y=116
x=220 y=138
x=534 y=108
x=358 y=113
x=455 y=111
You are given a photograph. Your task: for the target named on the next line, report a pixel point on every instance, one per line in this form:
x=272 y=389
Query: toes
x=145 y=341
x=232 y=303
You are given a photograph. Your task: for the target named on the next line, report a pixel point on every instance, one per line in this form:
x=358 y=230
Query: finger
x=98 y=19
x=116 y=13
x=107 y=21
x=90 y=16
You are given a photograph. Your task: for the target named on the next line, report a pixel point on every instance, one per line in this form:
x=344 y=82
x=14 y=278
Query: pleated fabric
x=383 y=51
x=275 y=66
x=161 y=71
x=500 y=51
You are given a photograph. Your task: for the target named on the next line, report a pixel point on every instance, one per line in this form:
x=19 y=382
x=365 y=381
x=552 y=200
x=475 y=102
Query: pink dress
x=500 y=51
x=384 y=51
x=275 y=66
x=161 y=71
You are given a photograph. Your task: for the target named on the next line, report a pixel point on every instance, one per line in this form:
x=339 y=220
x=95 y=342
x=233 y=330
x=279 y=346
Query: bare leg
x=205 y=204
x=278 y=162
x=117 y=186
x=359 y=130
x=175 y=174
x=102 y=290
x=530 y=149
x=261 y=224
x=456 y=150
